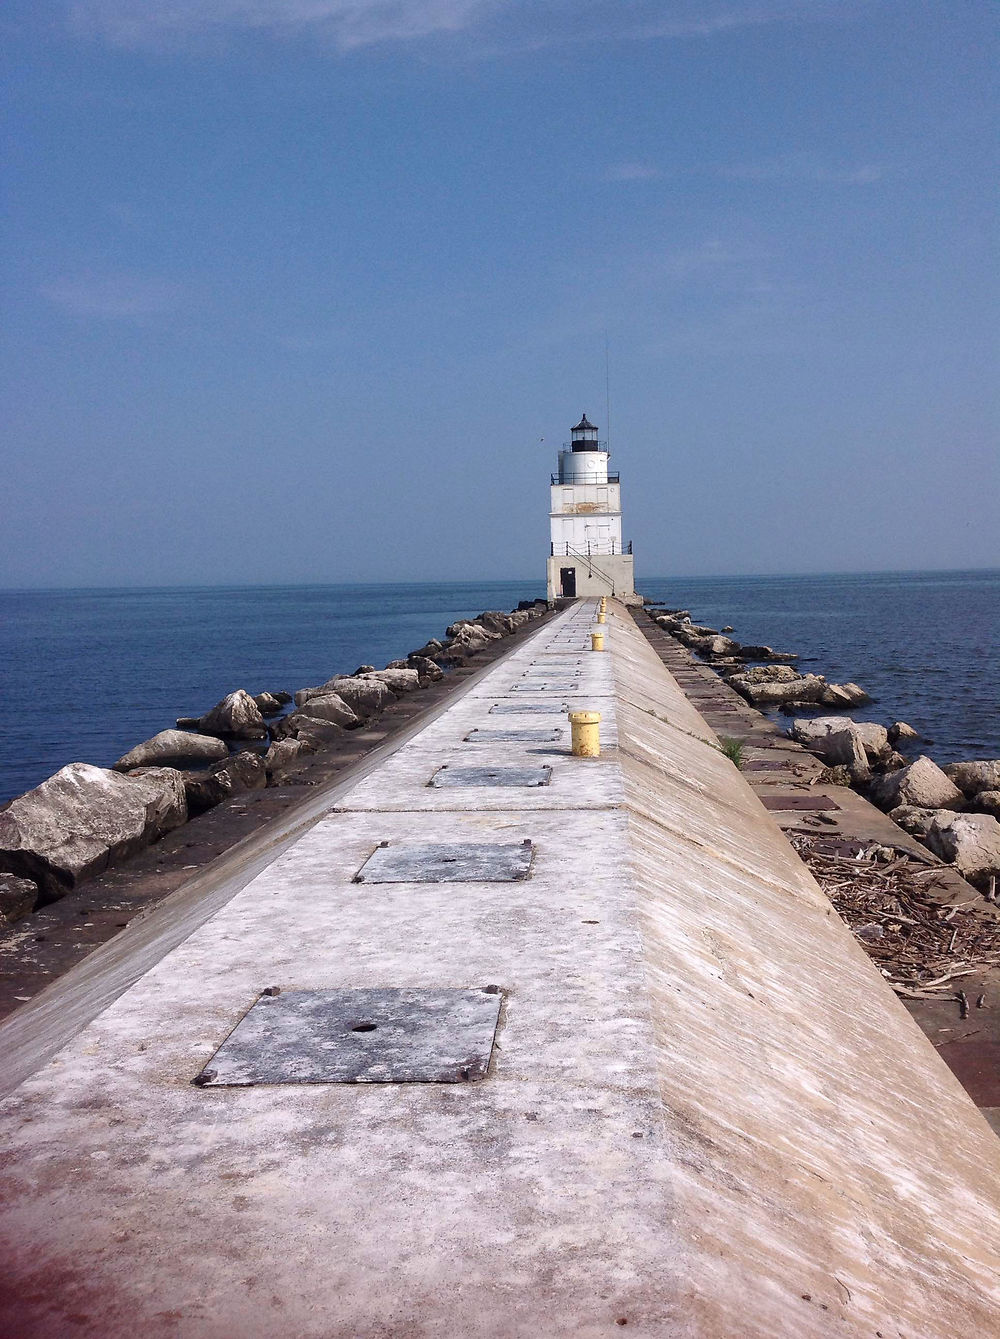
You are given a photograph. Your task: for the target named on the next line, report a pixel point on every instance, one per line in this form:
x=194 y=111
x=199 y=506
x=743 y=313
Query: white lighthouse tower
x=586 y=552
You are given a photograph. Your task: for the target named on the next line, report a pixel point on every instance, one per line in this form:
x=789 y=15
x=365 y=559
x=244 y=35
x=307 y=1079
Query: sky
x=313 y=290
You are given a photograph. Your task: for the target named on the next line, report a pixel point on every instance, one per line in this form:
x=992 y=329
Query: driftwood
x=921 y=947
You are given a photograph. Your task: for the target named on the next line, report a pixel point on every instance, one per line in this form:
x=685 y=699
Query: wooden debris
x=916 y=952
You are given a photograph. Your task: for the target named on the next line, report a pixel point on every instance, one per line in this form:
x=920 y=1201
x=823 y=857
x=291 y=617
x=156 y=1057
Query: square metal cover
x=447 y=862
x=359 y=1036
x=531 y=735
x=519 y=708
x=491 y=776
x=546 y=686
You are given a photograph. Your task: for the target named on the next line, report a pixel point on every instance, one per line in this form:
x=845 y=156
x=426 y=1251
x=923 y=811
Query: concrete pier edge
x=706 y=1113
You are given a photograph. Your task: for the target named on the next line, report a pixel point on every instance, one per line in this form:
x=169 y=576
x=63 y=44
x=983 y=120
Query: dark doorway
x=567 y=580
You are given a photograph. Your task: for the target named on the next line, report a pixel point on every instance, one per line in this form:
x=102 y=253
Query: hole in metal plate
x=491 y=776
x=452 y=862
x=380 y=1035
x=528 y=736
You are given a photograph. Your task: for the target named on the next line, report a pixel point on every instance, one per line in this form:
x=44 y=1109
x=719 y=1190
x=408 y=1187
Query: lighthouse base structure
x=578 y=574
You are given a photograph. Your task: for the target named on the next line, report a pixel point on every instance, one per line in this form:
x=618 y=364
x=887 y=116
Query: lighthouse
x=586 y=553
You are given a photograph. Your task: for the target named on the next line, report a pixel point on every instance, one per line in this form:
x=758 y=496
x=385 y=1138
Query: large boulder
x=431 y=650
x=875 y=739
x=245 y=771
x=769 y=674
x=972 y=777
x=900 y=730
x=237 y=716
x=970 y=842
x=17 y=897
x=174 y=748
x=714 y=645
x=921 y=783
x=803 y=688
x=327 y=707
x=836 y=741
x=365 y=696
x=83 y=819
x=493 y=620
x=917 y=822
x=425 y=667
x=270 y=704
x=988 y=802
x=399 y=680
x=283 y=755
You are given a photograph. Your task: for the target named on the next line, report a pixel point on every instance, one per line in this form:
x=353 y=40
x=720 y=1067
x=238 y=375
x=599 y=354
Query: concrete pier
x=704 y=1112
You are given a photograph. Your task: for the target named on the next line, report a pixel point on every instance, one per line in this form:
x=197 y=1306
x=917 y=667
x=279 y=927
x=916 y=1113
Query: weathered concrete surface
x=689 y=1124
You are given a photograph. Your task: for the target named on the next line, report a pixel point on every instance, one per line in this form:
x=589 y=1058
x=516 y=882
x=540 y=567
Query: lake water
x=86 y=674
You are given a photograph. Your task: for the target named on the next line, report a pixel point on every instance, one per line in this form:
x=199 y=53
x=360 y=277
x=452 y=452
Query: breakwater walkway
x=662 y=1087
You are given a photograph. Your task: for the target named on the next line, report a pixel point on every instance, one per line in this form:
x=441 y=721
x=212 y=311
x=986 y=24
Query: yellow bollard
x=600 y=616
x=597 y=641
x=586 y=735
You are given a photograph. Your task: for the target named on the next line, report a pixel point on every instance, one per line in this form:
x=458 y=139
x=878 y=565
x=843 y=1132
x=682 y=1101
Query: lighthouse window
x=602 y=496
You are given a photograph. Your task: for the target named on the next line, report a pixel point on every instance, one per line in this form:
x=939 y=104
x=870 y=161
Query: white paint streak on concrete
x=703 y=1104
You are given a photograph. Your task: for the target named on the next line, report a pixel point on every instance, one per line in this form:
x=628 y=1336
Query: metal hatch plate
x=447 y=862
x=519 y=708
x=546 y=686
x=491 y=776
x=527 y=736
x=359 y=1036
x=778 y=802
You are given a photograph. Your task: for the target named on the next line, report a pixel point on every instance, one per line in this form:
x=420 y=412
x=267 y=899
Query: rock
x=17 y=897
x=803 y=688
x=365 y=696
x=269 y=704
x=767 y=653
x=900 y=730
x=328 y=707
x=246 y=771
x=174 y=748
x=857 y=695
x=875 y=739
x=892 y=762
x=970 y=842
x=840 y=742
x=972 y=777
x=425 y=667
x=430 y=650
x=836 y=776
x=915 y=821
x=83 y=819
x=495 y=621
x=713 y=645
x=988 y=802
x=727 y=628
x=237 y=716
x=284 y=754
x=834 y=695
x=770 y=674
x=921 y=783
x=314 y=730
x=399 y=680
x=363 y=669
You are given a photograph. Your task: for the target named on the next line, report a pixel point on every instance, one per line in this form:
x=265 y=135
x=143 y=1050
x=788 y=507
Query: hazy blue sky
x=295 y=287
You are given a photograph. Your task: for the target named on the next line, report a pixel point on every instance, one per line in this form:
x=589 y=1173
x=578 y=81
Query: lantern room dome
x=584 y=436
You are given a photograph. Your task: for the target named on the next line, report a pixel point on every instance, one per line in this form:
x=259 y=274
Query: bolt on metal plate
x=531 y=735
x=491 y=776
x=381 y=1035
x=447 y=862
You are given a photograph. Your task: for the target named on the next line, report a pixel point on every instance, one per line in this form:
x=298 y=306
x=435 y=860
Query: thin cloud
x=796 y=168
x=497 y=25
x=632 y=172
x=117 y=296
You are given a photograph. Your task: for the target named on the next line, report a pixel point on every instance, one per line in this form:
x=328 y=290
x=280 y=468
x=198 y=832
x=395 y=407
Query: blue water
x=924 y=645
x=85 y=674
